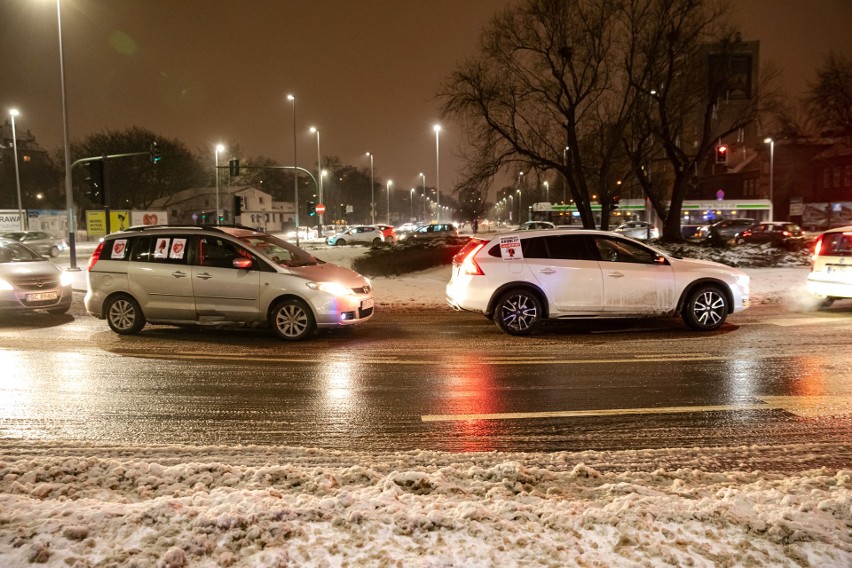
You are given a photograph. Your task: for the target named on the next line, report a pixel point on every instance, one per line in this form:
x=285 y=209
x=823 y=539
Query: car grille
x=36 y=284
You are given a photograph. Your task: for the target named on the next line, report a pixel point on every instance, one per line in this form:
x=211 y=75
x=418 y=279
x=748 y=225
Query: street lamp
x=771 y=143
x=422 y=175
x=319 y=171
x=411 y=205
x=565 y=164
x=389 y=184
x=69 y=195
x=372 y=193
x=219 y=148
x=547 y=192
x=13 y=113
x=292 y=99
x=520 y=196
x=437 y=129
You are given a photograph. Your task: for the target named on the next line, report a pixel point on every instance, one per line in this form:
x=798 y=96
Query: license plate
x=366 y=304
x=838 y=268
x=41 y=297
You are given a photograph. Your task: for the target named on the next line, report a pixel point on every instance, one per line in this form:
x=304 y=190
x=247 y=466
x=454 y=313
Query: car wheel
x=705 y=309
x=124 y=315
x=54 y=251
x=340 y=242
x=377 y=241
x=293 y=320
x=825 y=302
x=518 y=312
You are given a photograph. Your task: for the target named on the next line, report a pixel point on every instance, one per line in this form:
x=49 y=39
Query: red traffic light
x=722 y=154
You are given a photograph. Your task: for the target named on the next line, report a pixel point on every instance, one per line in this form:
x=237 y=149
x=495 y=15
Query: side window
x=616 y=250
x=534 y=248
x=568 y=247
x=160 y=249
x=219 y=253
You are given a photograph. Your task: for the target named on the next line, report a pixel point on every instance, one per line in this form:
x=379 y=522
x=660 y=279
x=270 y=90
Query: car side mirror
x=242 y=263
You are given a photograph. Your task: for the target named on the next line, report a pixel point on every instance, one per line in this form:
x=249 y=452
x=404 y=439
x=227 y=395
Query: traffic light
x=94 y=191
x=155 y=153
x=238 y=206
x=234 y=168
x=613 y=205
x=312 y=208
x=721 y=153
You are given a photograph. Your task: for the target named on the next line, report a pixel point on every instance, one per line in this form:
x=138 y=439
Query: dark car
x=435 y=230
x=39 y=241
x=777 y=233
x=725 y=230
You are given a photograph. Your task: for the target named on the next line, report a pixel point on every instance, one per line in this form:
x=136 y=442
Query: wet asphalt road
x=435 y=381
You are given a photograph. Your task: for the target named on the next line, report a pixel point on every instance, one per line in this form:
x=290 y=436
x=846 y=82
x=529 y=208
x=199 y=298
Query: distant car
x=39 y=241
x=388 y=232
x=536 y=225
x=30 y=282
x=638 y=230
x=407 y=227
x=357 y=234
x=779 y=234
x=521 y=280
x=435 y=230
x=830 y=277
x=725 y=230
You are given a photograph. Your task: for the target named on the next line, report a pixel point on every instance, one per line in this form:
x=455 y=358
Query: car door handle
x=547 y=271
x=204 y=276
x=615 y=275
x=179 y=274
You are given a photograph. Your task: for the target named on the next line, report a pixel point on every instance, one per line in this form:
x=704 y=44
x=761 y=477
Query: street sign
x=320 y=208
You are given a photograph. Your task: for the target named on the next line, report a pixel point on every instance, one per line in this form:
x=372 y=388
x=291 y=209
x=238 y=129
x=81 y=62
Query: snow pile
x=176 y=506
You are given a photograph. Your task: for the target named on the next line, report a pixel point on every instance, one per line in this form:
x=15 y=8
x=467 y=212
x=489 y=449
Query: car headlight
x=66 y=279
x=4 y=285
x=333 y=288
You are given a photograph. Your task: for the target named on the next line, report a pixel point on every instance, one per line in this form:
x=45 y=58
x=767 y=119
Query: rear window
x=836 y=244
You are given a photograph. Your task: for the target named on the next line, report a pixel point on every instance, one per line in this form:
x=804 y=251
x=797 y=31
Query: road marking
x=790 y=322
x=806 y=406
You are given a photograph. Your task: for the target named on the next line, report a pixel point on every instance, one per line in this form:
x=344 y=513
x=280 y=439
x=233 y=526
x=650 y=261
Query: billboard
x=10 y=220
x=96 y=222
x=148 y=218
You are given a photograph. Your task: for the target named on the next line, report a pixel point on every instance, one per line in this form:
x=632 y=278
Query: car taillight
x=469 y=265
x=95 y=256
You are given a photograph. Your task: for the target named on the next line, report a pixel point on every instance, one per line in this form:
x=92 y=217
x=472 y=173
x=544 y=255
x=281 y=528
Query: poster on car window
x=178 y=249
x=510 y=248
x=119 y=249
x=161 y=249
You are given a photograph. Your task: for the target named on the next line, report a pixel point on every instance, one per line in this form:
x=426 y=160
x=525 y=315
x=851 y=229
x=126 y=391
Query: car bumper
x=337 y=311
x=20 y=301
x=824 y=288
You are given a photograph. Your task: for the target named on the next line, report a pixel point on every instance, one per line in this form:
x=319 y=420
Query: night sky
x=365 y=72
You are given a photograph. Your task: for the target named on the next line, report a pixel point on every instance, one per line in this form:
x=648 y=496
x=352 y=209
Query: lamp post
x=69 y=195
x=547 y=192
x=437 y=129
x=389 y=184
x=411 y=205
x=292 y=99
x=219 y=148
x=13 y=113
x=372 y=192
x=771 y=143
x=520 y=195
x=565 y=164
x=319 y=172
x=423 y=176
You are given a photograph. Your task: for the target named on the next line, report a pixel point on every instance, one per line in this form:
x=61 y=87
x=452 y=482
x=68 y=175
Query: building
x=197 y=206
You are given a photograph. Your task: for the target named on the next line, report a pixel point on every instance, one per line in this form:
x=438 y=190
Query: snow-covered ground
x=67 y=504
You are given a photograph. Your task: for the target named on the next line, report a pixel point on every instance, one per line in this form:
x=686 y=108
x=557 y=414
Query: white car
x=357 y=234
x=520 y=280
x=533 y=225
x=830 y=277
x=638 y=230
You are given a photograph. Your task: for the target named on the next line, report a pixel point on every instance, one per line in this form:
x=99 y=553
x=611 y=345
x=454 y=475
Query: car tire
x=340 y=242
x=377 y=241
x=292 y=320
x=54 y=251
x=518 y=312
x=705 y=309
x=825 y=303
x=124 y=315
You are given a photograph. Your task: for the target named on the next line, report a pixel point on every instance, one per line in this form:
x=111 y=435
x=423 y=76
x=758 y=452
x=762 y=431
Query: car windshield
x=16 y=252
x=280 y=252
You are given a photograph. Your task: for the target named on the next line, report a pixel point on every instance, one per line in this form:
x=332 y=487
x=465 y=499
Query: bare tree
x=830 y=97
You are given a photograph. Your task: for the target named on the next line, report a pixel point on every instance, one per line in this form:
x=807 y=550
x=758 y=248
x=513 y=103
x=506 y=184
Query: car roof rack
x=198 y=227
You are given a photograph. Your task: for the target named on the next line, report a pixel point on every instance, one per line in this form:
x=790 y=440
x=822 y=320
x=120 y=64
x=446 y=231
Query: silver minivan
x=217 y=275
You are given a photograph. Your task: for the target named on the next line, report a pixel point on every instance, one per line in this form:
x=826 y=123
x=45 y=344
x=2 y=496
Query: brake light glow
x=95 y=256
x=469 y=265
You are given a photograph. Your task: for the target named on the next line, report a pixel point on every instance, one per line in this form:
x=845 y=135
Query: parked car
x=830 y=277
x=777 y=233
x=536 y=225
x=725 y=230
x=638 y=230
x=39 y=241
x=30 y=282
x=357 y=234
x=435 y=230
x=388 y=232
x=521 y=280
x=218 y=275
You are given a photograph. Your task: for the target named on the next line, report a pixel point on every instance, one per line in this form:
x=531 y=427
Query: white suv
x=216 y=275
x=831 y=267
x=523 y=279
